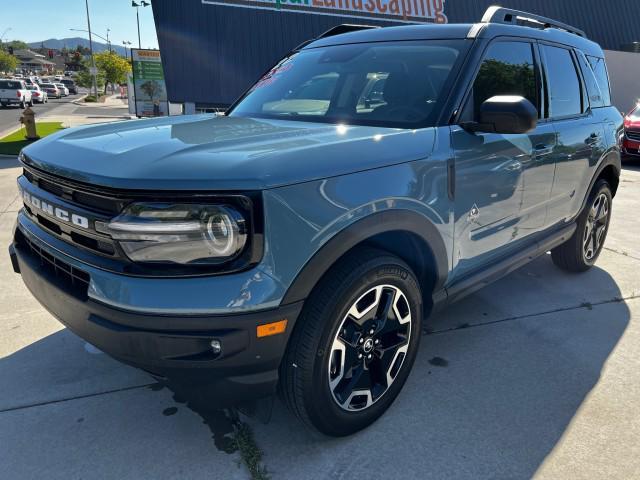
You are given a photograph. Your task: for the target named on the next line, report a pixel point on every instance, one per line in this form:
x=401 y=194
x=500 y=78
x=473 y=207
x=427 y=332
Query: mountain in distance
x=71 y=43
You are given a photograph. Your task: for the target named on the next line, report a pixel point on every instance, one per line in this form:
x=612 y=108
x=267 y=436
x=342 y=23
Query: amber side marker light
x=273 y=328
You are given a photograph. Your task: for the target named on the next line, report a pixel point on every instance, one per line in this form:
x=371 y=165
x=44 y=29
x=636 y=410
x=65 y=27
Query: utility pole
x=108 y=41
x=93 y=60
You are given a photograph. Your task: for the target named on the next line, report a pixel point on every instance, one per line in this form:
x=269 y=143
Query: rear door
x=502 y=182
x=580 y=132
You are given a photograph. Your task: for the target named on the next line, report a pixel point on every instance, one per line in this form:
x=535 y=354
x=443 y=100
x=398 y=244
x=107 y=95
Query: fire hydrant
x=28 y=119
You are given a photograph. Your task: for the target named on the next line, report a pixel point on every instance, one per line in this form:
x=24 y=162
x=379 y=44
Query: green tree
x=151 y=88
x=8 y=63
x=84 y=78
x=17 y=45
x=113 y=67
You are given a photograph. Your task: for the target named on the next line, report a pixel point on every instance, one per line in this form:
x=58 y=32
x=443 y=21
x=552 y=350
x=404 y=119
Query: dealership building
x=213 y=50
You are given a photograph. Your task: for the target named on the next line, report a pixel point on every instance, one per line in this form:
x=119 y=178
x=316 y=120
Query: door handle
x=543 y=150
x=593 y=139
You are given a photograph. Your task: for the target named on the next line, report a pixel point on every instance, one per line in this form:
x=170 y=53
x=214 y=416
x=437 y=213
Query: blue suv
x=300 y=241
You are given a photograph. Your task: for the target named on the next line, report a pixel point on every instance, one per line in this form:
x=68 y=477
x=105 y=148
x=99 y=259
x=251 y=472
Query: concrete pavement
x=537 y=375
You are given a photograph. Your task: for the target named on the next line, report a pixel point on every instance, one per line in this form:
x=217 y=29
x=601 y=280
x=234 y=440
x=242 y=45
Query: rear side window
x=10 y=84
x=565 y=91
x=602 y=76
x=508 y=68
x=596 y=99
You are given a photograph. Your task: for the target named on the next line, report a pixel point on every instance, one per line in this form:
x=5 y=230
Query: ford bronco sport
x=299 y=241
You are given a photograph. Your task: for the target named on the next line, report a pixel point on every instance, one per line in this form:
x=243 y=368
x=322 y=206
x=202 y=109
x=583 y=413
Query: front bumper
x=176 y=348
x=630 y=147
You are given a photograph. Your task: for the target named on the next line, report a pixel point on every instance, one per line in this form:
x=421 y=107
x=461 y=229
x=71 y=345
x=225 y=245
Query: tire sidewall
x=321 y=405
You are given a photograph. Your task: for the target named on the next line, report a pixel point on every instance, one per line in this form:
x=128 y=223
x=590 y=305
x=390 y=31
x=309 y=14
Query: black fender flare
x=613 y=159
x=361 y=230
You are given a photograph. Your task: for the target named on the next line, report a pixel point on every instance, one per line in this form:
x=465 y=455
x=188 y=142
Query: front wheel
x=580 y=252
x=354 y=344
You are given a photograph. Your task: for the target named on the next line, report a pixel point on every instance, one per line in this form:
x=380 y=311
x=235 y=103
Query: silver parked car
x=38 y=95
x=64 y=91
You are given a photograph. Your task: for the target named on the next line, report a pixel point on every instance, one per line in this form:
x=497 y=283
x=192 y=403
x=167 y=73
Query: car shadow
x=8 y=162
x=632 y=164
x=497 y=380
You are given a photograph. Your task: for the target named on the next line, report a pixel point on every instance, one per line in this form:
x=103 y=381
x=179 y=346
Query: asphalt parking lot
x=10 y=116
x=535 y=375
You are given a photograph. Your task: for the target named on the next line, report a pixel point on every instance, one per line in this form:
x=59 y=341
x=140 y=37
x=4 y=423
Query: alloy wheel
x=596 y=227
x=369 y=347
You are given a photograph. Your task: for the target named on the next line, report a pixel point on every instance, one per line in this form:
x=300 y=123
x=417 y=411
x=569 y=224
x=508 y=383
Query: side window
x=600 y=70
x=565 y=91
x=507 y=69
x=596 y=100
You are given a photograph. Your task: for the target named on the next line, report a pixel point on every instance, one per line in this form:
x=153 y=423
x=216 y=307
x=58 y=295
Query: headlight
x=185 y=234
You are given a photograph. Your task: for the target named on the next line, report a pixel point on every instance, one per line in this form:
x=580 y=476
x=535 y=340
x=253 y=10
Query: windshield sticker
x=272 y=75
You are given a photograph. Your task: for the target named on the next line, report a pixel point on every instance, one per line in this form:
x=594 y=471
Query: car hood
x=219 y=152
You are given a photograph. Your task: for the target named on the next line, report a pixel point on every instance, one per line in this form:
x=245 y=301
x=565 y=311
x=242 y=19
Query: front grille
x=94 y=199
x=72 y=279
x=92 y=205
x=635 y=136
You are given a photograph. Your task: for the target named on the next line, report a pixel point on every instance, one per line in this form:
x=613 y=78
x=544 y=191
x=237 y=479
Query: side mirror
x=507 y=114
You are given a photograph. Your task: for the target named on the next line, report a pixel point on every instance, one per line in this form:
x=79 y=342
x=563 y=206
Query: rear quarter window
x=599 y=67
x=594 y=92
x=10 y=85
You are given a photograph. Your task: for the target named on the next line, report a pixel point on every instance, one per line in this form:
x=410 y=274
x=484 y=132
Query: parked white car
x=38 y=95
x=64 y=91
x=15 y=92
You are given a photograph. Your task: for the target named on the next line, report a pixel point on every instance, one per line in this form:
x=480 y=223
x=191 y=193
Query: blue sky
x=47 y=19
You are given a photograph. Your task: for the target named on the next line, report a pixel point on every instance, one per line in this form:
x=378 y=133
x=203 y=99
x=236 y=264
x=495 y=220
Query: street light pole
x=138 y=20
x=125 y=43
x=3 y=35
x=137 y=6
x=108 y=42
x=93 y=60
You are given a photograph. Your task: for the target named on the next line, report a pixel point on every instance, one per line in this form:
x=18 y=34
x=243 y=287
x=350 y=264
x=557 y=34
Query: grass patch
x=13 y=143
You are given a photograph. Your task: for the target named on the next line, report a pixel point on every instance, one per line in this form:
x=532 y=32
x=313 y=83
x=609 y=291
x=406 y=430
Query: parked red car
x=631 y=142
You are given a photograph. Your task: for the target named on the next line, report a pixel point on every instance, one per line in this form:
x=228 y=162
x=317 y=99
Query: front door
x=502 y=182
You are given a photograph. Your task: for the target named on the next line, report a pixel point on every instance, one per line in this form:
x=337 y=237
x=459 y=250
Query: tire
x=581 y=251
x=31 y=103
x=314 y=376
x=23 y=105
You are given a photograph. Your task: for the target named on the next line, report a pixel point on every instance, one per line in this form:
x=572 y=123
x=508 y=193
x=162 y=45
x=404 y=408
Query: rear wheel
x=582 y=250
x=354 y=344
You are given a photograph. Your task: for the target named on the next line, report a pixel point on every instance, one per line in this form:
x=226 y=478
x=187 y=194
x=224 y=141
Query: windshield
x=396 y=84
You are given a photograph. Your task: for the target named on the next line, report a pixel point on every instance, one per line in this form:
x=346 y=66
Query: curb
x=10 y=131
x=78 y=101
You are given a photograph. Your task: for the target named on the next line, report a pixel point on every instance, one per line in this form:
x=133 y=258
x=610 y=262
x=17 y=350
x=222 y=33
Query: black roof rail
x=344 y=28
x=508 y=16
